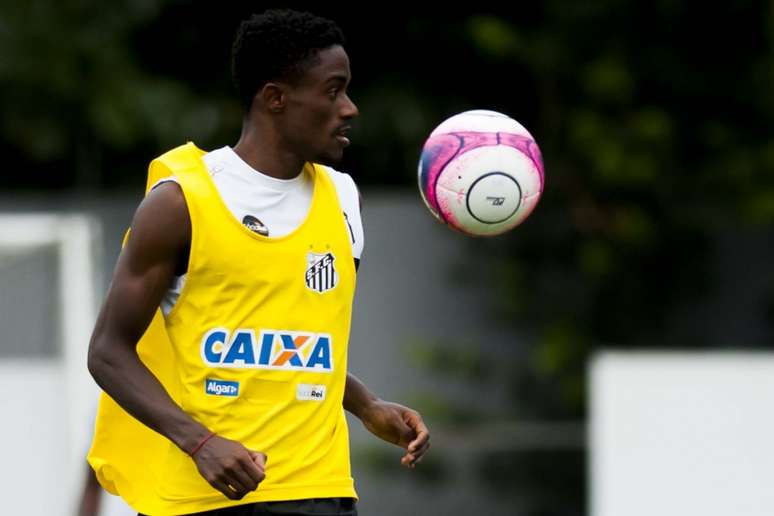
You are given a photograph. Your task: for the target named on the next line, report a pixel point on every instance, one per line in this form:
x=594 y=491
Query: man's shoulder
x=181 y=155
x=161 y=225
x=180 y=158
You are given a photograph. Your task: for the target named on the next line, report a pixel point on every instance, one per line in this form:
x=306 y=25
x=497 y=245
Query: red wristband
x=201 y=443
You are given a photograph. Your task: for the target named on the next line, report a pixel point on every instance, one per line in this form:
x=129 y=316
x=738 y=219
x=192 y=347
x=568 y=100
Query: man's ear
x=274 y=97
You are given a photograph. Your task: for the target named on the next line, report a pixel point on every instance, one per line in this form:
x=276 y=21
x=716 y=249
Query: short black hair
x=278 y=45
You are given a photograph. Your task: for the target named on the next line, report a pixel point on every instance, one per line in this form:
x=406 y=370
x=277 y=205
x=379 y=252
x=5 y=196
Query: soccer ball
x=481 y=173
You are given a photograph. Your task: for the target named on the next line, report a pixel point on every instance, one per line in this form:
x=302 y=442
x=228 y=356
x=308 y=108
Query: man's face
x=318 y=110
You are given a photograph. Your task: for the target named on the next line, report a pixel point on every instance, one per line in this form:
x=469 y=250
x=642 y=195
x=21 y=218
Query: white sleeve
x=349 y=199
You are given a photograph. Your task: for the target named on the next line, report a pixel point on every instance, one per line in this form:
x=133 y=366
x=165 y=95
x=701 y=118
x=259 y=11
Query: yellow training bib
x=255 y=349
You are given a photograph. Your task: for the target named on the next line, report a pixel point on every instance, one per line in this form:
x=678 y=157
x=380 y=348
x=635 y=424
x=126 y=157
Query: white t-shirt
x=270 y=206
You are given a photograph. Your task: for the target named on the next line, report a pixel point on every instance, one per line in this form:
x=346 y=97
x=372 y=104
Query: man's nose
x=349 y=110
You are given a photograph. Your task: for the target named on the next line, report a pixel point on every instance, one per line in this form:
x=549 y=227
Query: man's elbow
x=98 y=361
x=93 y=361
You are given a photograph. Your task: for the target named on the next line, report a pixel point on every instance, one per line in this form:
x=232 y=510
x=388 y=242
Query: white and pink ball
x=481 y=173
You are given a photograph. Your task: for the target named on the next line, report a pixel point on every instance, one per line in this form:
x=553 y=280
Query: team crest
x=321 y=274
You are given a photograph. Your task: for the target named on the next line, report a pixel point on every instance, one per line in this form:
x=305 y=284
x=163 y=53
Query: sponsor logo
x=272 y=349
x=255 y=225
x=306 y=392
x=221 y=388
x=496 y=201
x=321 y=275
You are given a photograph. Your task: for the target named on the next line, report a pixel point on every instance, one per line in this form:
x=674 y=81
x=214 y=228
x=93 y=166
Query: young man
x=251 y=253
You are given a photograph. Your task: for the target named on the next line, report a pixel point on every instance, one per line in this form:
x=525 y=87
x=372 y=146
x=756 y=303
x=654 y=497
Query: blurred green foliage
x=655 y=124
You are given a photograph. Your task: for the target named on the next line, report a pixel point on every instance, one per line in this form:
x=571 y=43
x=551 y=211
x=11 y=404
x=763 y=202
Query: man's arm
x=155 y=250
x=390 y=421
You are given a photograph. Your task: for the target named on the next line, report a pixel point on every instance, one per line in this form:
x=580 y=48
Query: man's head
x=291 y=68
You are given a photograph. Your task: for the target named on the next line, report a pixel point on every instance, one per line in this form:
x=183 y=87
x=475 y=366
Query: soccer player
x=251 y=253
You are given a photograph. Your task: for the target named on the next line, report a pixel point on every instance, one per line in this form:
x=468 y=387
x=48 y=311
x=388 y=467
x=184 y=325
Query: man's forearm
x=357 y=396
x=122 y=375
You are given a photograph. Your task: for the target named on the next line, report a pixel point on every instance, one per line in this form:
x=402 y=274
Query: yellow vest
x=255 y=349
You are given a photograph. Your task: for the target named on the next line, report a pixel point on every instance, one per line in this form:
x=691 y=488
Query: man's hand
x=229 y=467
x=399 y=425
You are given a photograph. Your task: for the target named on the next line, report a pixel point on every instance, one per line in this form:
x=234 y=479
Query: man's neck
x=267 y=156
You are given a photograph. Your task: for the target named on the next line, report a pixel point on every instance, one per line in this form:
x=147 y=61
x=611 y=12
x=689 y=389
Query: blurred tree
x=657 y=136
x=655 y=124
x=78 y=103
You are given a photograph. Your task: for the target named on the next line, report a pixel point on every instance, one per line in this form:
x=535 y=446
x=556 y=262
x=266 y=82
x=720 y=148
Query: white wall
x=47 y=400
x=682 y=434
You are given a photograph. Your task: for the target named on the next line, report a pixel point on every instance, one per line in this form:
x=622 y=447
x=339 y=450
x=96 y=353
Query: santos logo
x=273 y=349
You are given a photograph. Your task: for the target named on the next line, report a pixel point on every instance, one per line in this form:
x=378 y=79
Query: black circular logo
x=255 y=225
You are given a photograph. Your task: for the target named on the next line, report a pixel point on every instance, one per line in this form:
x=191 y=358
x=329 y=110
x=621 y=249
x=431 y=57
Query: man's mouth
x=341 y=135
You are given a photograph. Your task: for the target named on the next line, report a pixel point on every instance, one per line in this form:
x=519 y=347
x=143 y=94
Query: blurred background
x=655 y=230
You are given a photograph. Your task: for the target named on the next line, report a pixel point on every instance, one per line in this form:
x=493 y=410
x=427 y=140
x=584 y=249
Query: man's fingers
x=414 y=420
x=226 y=490
x=231 y=468
x=420 y=450
x=254 y=469
x=232 y=479
x=258 y=457
x=416 y=450
x=242 y=475
x=407 y=436
x=409 y=460
x=419 y=441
